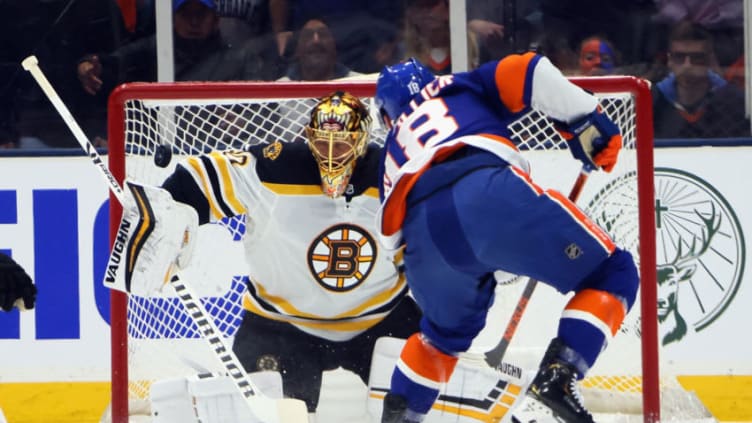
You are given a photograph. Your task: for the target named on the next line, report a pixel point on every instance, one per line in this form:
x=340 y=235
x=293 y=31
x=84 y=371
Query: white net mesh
x=162 y=339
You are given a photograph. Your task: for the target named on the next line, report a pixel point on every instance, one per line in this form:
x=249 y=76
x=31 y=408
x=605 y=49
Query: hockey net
x=154 y=338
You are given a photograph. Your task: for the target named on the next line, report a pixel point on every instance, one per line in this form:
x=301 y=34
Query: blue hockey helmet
x=398 y=84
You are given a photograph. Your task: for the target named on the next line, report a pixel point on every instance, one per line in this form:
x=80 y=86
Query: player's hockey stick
x=266 y=409
x=494 y=356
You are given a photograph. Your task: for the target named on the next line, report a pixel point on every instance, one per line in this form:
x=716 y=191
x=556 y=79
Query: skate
x=556 y=388
x=395 y=410
x=554 y=392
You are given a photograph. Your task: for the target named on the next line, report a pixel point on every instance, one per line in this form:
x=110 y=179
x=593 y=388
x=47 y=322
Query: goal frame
x=638 y=88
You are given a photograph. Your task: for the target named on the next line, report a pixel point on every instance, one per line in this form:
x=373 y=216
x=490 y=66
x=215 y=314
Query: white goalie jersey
x=314 y=261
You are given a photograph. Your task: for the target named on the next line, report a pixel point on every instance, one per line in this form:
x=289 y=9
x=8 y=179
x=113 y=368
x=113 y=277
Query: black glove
x=15 y=284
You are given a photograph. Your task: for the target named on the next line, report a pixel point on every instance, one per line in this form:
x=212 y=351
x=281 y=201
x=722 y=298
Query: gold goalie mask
x=338 y=135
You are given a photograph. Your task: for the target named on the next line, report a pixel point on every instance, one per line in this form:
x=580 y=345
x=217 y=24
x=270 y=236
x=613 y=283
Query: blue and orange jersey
x=470 y=109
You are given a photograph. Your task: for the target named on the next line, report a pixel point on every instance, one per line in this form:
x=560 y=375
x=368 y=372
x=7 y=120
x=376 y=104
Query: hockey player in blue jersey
x=457 y=192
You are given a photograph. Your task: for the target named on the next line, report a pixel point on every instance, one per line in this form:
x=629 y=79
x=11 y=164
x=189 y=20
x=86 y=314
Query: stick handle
x=268 y=410
x=494 y=356
x=31 y=64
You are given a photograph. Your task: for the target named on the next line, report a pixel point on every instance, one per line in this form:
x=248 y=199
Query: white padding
x=155 y=237
x=475 y=392
x=208 y=399
x=170 y=402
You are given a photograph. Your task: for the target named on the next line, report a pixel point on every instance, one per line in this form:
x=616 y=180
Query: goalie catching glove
x=16 y=288
x=155 y=235
x=594 y=140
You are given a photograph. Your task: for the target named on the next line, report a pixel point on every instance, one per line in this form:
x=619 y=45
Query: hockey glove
x=16 y=288
x=154 y=239
x=594 y=140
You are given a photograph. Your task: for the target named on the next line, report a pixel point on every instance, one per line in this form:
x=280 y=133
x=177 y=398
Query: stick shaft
x=260 y=405
x=31 y=65
x=494 y=356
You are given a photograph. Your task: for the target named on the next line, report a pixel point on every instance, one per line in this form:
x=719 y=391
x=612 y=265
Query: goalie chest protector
x=314 y=261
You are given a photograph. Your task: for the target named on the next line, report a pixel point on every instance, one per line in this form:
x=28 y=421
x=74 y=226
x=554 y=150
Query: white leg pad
x=475 y=392
x=213 y=399
x=171 y=402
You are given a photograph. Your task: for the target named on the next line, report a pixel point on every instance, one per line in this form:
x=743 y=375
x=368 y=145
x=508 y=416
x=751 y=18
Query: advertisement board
x=54 y=221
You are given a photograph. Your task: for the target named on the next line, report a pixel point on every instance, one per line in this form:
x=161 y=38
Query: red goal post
x=194 y=117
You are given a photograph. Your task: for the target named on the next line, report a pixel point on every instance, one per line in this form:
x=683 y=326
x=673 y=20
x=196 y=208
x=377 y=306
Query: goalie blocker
x=154 y=239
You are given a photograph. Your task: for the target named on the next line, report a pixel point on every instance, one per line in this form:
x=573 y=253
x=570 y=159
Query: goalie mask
x=338 y=135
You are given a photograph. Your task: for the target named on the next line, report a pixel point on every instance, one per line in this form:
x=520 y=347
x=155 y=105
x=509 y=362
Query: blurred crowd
x=691 y=50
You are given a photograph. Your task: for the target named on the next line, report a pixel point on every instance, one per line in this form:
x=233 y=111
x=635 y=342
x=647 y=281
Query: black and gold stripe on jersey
x=213 y=174
x=204 y=182
x=360 y=318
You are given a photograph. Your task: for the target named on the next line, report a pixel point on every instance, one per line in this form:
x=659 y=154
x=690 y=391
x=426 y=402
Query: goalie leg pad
x=474 y=393
x=208 y=398
x=155 y=236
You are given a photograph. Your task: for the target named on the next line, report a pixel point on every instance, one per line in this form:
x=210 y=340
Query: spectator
x=365 y=31
x=315 y=55
x=723 y=18
x=568 y=22
x=484 y=18
x=597 y=56
x=8 y=132
x=694 y=101
x=239 y=20
x=9 y=138
x=314 y=59
x=244 y=20
x=201 y=54
x=8 y=135
x=139 y=18
x=501 y=30
x=426 y=36
x=708 y=13
x=58 y=32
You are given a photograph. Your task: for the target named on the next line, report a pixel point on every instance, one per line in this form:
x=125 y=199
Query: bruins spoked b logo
x=341 y=257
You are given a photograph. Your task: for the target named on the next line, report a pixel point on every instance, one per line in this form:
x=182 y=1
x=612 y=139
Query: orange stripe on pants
x=601 y=304
x=426 y=360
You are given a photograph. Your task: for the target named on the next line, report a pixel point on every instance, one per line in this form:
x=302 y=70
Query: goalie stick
x=495 y=355
x=265 y=408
